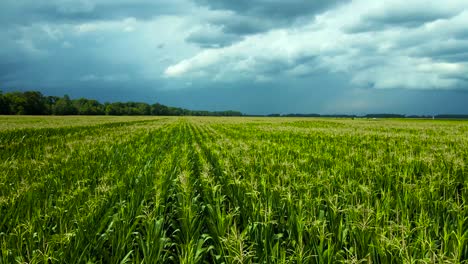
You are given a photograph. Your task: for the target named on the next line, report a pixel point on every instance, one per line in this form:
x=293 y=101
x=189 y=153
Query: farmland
x=232 y=190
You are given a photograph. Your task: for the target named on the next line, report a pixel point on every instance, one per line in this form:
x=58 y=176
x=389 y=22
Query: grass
x=232 y=190
x=14 y=122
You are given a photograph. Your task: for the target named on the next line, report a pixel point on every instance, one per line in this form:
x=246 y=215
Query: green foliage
x=232 y=190
x=26 y=103
x=88 y=107
x=4 y=104
x=64 y=106
x=130 y=108
x=34 y=103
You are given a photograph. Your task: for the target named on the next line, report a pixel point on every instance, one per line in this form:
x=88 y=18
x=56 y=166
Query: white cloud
x=123 y=25
x=412 y=73
x=389 y=44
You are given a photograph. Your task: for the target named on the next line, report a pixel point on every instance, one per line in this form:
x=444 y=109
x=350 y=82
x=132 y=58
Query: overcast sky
x=256 y=56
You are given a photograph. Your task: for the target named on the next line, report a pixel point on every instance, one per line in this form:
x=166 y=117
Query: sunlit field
x=232 y=190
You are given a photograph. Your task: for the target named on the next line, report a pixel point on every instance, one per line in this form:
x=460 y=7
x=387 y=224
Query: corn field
x=232 y=190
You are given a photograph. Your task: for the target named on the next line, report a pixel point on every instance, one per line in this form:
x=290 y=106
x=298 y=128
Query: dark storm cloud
x=403 y=14
x=408 y=39
x=375 y=22
x=245 y=25
x=28 y=11
x=104 y=43
x=453 y=51
x=212 y=37
x=324 y=94
x=250 y=17
x=258 y=56
x=462 y=34
x=272 y=8
x=103 y=91
x=411 y=19
x=309 y=95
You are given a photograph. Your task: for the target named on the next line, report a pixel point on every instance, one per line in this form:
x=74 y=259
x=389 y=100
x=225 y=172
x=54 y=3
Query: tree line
x=384 y=115
x=35 y=103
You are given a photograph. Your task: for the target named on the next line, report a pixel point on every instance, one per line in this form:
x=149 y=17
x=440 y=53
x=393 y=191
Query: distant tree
x=50 y=103
x=159 y=109
x=384 y=116
x=88 y=107
x=64 y=106
x=4 y=105
x=144 y=109
x=452 y=116
x=302 y=115
x=231 y=113
x=128 y=108
x=35 y=103
x=174 y=111
x=17 y=103
x=26 y=103
x=114 y=109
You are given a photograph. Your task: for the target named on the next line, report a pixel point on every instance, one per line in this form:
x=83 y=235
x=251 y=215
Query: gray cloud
x=373 y=59
x=258 y=56
x=399 y=18
x=250 y=17
x=233 y=23
x=70 y=11
x=272 y=8
x=210 y=36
